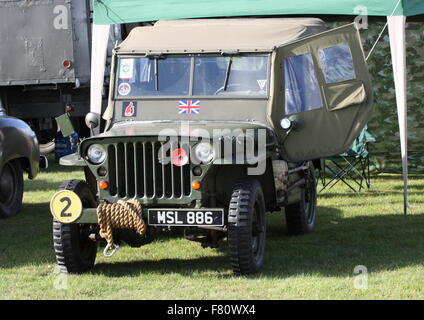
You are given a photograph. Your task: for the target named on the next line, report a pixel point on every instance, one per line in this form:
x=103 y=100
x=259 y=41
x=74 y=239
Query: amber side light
x=103 y=185
x=195 y=185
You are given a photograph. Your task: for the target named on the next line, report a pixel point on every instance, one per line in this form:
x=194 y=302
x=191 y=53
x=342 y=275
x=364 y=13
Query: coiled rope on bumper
x=119 y=215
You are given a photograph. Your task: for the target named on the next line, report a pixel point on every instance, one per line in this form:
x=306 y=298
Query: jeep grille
x=135 y=170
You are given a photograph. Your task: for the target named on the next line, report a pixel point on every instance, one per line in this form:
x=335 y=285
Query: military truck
x=211 y=123
x=45 y=63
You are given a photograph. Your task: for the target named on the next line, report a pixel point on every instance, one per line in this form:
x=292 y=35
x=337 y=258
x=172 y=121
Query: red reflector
x=179 y=157
x=67 y=63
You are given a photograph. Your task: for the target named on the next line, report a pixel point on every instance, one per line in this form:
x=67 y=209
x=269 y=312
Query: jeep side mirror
x=92 y=120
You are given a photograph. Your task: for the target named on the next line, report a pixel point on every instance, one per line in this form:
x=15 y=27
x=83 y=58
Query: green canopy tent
x=108 y=12
x=125 y=11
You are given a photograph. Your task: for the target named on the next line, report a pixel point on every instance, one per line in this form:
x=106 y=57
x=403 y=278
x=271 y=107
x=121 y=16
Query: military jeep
x=210 y=124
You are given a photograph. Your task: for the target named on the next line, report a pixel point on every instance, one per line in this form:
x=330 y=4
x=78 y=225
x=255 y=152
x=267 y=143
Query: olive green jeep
x=210 y=124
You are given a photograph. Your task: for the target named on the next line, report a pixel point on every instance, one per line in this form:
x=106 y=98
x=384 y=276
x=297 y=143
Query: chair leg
x=368 y=172
x=364 y=174
x=335 y=176
x=323 y=175
x=339 y=176
x=349 y=170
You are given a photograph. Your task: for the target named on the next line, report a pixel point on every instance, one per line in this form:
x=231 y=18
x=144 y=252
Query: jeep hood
x=200 y=129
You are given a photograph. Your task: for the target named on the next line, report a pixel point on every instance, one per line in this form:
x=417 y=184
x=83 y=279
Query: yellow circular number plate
x=66 y=206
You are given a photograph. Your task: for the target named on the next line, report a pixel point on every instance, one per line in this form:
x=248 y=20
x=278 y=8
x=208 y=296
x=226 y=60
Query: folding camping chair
x=351 y=167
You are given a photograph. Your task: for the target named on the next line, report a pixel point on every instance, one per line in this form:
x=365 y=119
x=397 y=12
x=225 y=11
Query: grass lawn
x=353 y=229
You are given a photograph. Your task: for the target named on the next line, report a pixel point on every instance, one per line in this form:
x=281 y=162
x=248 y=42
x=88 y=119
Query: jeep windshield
x=194 y=75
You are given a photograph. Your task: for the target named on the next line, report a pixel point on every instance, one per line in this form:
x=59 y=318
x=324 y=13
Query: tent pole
x=100 y=37
x=397 y=26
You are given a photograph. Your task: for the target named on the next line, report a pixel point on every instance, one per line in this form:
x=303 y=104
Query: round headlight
x=96 y=153
x=204 y=152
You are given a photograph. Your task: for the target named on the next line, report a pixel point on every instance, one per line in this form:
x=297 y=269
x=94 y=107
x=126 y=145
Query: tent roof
x=126 y=11
x=212 y=35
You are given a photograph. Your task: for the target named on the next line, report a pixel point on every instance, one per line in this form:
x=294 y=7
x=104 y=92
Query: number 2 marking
x=63 y=213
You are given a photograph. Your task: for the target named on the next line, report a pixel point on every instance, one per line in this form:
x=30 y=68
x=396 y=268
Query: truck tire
x=246 y=227
x=11 y=189
x=75 y=251
x=301 y=216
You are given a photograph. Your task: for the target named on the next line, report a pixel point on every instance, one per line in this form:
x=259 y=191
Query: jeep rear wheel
x=75 y=251
x=301 y=216
x=11 y=189
x=246 y=227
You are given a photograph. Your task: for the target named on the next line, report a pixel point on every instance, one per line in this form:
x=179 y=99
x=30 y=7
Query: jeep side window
x=337 y=63
x=302 y=92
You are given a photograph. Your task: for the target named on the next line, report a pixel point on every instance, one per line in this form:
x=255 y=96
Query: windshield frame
x=190 y=94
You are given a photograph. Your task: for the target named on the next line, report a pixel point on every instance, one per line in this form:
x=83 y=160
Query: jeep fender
x=18 y=141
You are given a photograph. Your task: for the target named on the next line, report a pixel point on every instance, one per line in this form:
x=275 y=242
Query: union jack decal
x=189 y=107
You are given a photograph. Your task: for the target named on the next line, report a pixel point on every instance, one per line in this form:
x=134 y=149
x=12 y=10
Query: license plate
x=185 y=217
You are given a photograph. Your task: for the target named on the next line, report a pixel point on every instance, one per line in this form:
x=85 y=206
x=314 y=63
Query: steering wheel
x=240 y=86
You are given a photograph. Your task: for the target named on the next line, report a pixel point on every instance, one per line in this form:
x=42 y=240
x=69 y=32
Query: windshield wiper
x=156 y=57
x=227 y=73
x=156 y=75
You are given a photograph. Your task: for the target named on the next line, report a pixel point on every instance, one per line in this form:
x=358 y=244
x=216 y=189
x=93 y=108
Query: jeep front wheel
x=246 y=227
x=75 y=251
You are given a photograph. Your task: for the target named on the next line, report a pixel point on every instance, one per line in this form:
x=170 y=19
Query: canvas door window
x=341 y=89
x=302 y=91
